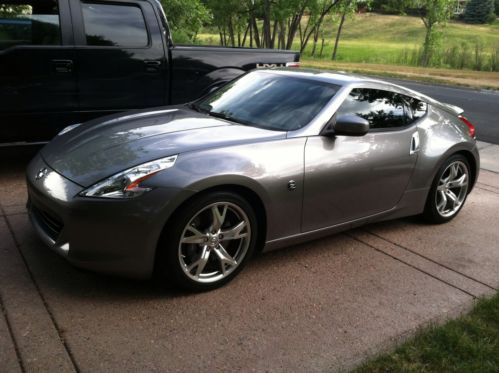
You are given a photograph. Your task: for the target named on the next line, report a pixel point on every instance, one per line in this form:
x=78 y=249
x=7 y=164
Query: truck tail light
x=293 y=64
x=471 y=127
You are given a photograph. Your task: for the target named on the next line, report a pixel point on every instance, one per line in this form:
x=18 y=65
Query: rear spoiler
x=451 y=109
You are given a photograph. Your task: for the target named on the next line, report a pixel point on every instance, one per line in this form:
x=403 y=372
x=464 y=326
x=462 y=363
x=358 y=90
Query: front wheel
x=449 y=190
x=208 y=241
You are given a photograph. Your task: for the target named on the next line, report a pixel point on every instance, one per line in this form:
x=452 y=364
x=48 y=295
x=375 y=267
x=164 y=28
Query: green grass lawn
x=468 y=344
x=385 y=39
x=372 y=37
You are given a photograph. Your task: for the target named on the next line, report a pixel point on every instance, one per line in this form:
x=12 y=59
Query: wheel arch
x=472 y=161
x=249 y=194
x=470 y=157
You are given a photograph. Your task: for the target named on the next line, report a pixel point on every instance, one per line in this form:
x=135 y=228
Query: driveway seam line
x=44 y=301
x=412 y=266
x=16 y=214
x=487 y=190
x=3 y=311
x=432 y=260
x=486 y=169
x=491 y=186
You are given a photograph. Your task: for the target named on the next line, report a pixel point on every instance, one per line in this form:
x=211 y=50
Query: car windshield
x=267 y=100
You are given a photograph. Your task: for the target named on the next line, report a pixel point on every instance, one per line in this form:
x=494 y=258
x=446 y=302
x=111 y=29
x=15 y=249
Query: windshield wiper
x=226 y=117
x=219 y=115
x=197 y=108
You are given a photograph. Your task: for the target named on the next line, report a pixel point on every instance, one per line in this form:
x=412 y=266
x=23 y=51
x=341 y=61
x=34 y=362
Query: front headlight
x=126 y=184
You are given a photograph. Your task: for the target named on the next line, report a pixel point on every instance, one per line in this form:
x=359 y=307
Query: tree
x=345 y=7
x=231 y=20
x=479 y=11
x=185 y=18
x=391 y=6
x=433 y=13
x=318 y=11
x=7 y=10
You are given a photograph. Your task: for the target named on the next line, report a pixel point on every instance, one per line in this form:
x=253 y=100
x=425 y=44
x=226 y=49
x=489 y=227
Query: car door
x=38 y=91
x=121 y=58
x=347 y=178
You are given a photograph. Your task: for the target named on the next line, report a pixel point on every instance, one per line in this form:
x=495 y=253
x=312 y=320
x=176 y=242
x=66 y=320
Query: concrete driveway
x=321 y=306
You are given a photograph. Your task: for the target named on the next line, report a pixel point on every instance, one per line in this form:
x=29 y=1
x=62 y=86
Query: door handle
x=414 y=143
x=152 y=66
x=62 y=66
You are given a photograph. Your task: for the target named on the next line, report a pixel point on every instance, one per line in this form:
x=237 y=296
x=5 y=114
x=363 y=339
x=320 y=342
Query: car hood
x=100 y=148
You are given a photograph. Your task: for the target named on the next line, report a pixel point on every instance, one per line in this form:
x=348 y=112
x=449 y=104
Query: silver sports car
x=273 y=158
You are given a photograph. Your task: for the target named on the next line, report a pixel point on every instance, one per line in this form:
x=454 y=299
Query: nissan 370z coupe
x=273 y=158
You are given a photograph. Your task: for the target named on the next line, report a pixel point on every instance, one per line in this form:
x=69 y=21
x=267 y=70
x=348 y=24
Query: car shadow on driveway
x=54 y=272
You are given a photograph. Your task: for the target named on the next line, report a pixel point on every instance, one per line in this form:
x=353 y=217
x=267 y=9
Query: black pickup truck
x=68 y=61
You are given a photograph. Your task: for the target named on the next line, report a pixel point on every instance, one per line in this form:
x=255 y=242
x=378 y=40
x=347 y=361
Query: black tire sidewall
x=168 y=264
x=431 y=213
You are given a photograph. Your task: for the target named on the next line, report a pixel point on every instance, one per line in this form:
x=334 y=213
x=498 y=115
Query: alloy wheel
x=452 y=189
x=214 y=242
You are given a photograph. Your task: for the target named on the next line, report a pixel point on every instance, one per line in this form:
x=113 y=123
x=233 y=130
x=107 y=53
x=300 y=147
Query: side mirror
x=346 y=125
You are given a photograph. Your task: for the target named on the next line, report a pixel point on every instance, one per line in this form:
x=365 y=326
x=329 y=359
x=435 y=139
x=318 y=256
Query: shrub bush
x=479 y=11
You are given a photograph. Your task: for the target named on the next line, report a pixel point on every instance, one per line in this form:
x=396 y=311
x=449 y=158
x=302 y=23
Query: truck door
x=38 y=91
x=121 y=59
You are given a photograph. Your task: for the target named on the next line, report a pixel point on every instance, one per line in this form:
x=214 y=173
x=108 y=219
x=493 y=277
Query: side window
x=114 y=25
x=34 y=22
x=383 y=109
x=418 y=108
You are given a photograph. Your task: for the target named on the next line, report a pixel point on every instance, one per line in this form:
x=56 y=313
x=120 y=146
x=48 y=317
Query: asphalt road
x=480 y=107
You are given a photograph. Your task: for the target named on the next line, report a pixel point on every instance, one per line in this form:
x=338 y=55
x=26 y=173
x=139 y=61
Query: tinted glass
x=418 y=108
x=383 y=109
x=29 y=23
x=270 y=100
x=114 y=25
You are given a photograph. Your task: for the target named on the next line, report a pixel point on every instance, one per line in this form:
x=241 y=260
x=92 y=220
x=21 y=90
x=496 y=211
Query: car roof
x=347 y=79
x=333 y=77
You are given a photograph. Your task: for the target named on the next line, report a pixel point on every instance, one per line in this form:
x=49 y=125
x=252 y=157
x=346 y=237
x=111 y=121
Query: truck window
x=28 y=22
x=114 y=25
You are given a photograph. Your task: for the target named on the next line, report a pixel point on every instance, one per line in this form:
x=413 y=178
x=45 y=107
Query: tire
x=201 y=249
x=448 y=191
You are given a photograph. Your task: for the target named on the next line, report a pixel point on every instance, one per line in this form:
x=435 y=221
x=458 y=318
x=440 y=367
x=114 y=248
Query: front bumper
x=110 y=236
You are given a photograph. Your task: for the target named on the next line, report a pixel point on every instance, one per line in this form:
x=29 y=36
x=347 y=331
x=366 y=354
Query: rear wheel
x=209 y=241
x=449 y=190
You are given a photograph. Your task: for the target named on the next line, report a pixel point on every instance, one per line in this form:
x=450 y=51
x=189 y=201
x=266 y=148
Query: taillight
x=293 y=64
x=471 y=127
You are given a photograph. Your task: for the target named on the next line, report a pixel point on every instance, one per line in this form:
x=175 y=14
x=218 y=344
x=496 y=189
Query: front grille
x=50 y=223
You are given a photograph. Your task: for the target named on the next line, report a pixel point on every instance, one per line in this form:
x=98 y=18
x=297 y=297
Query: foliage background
x=406 y=32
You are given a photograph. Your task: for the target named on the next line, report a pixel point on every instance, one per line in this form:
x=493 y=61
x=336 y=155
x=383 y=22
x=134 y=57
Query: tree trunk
x=293 y=26
x=316 y=39
x=322 y=47
x=231 y=33
x=274 y=33
x=338 y=35
x=245 y=35
x=251 y=33
x=324 y=12
x=427 y=46
x=221 y=37
x=266 y=24
x=256 y=33
x=282 y=34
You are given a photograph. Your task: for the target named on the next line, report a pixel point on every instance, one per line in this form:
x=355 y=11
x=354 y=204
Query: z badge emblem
x=41 y=173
